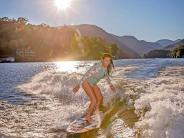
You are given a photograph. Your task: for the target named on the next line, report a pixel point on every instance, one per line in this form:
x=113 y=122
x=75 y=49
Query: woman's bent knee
x=93 y=100
x=83 y=83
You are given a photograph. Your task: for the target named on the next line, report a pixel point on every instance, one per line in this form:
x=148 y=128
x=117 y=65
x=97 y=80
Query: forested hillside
x=28 y=42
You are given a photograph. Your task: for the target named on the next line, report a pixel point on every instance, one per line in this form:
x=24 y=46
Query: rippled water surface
x=36 y=99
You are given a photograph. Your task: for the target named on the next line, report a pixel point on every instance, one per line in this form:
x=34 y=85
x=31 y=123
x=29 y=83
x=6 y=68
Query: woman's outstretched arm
x=109 y=82
x=108 y=79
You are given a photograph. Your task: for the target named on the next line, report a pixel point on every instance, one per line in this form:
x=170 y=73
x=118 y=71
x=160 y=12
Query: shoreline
x=84 y=60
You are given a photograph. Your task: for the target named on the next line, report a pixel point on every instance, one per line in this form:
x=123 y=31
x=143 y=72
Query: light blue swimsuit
x=95 y=74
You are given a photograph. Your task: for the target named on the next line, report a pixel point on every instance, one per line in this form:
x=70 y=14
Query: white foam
x=120 y=130
x=161 y=105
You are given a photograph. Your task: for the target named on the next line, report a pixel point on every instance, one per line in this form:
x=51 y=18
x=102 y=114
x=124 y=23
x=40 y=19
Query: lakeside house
x=20 y=55
x=25 y=52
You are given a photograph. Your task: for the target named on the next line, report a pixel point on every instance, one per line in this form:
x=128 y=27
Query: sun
x=62 y=4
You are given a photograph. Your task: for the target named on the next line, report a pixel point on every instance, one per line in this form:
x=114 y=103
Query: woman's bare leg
x=99 y=97
x=89 y=91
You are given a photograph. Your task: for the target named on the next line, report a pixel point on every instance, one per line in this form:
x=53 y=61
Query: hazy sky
x=146 y=19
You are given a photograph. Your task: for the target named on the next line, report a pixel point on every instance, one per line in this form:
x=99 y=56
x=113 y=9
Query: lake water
x=36 y=99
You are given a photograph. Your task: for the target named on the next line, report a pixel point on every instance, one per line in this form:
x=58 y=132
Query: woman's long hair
x=111 y=65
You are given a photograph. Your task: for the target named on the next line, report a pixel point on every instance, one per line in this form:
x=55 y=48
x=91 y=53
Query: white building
x=25 y=52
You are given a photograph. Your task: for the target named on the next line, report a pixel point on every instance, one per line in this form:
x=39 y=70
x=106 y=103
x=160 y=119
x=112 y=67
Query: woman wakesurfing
x=89 y=82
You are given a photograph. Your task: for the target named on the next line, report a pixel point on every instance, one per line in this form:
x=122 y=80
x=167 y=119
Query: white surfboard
x=80 y=125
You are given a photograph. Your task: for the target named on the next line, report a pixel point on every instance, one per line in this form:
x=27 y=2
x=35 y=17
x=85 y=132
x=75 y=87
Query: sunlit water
x=36 y=99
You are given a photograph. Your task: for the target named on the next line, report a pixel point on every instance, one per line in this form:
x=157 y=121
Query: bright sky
x=145 y=19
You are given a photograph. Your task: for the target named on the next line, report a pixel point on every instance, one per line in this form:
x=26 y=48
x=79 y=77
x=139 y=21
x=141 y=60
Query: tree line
x=29 y=42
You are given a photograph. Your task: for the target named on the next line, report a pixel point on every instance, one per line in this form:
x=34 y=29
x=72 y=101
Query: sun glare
x=68 y=66
x=62 y=4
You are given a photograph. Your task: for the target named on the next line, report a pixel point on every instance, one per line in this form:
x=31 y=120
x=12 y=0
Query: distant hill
x=95 y=31
x=129 y=44
x=166 y=42
x=140 y=46
x=173 y=46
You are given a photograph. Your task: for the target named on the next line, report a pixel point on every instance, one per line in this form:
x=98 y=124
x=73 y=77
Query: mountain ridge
x=133 y=46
